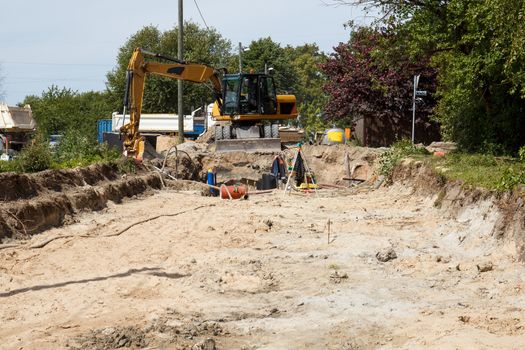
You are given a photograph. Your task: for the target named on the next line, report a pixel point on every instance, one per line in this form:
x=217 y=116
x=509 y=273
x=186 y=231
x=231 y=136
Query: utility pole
x=416 y=83
x=240 y=58
x=180 y=53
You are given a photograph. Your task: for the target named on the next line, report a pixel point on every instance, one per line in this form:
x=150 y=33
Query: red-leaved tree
x=370 y=79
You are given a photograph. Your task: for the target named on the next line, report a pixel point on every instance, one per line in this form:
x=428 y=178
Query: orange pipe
x=236 y=192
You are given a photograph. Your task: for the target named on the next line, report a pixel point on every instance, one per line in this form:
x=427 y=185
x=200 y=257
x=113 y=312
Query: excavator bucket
x=249 y=145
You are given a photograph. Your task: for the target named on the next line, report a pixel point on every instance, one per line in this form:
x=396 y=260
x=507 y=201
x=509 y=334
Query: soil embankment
x=32 y=203
x=500 y=215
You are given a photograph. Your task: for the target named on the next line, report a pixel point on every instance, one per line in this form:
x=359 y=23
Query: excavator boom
x=138 y=69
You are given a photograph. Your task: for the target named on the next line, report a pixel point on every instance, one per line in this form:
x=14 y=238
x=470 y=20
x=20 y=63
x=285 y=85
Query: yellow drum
x=334 y=136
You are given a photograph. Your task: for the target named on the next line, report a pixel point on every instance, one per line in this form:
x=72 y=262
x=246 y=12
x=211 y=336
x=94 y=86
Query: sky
x=73 y=43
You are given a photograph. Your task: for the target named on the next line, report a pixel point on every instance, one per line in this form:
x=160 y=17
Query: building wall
x=383 y=132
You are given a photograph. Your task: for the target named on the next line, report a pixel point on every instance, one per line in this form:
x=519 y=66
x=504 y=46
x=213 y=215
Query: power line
x=200 y=13
x=56 y=64
x=46 y=80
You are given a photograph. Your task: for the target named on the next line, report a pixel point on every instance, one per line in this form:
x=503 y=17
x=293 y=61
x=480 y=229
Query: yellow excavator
x=246 y=108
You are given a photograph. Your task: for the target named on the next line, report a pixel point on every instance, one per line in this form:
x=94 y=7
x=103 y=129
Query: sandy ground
x=260 y=274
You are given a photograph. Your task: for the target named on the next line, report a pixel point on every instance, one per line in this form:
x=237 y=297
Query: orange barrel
x=235 y=191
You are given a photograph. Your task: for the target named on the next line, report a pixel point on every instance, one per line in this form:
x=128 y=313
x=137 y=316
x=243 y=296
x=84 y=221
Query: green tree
x=205 y=46
x=307 y=61
x=297 y=71
x=478 y=48
x=265 y=51
x=58 y=110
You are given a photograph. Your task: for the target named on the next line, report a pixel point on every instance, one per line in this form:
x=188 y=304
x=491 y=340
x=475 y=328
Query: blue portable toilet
x=103 y=125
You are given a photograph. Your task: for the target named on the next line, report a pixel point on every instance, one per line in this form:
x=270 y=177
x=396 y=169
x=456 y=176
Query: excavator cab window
x=231 y=94
x=267 y=95
x=249 y=94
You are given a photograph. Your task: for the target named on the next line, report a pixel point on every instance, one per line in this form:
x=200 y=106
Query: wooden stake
x=328 y=224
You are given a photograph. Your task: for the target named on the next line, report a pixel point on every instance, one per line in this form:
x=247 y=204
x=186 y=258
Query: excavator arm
x=138 y=68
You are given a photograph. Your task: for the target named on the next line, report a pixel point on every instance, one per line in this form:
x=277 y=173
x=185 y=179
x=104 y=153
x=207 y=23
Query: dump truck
x=246 y=109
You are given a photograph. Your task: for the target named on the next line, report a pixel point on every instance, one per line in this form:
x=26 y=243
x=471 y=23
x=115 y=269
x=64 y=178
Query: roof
x=16 y=118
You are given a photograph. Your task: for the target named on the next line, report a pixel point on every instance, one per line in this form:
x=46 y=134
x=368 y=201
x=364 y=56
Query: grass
x=475 y=170
x=479 y=170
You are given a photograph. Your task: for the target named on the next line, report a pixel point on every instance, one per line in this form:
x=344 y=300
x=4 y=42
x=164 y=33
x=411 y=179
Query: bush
x=77 y=149
x=398 y=151
x=510 y=179
x=36 y=156
x=126 y=165
x=75 y=145
x=74 y=150
x=521 y=154
x=8 y=166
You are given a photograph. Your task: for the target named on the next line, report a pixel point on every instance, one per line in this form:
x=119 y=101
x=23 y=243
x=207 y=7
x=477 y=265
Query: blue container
x=212 y=180
x=198 y=129
x=103 y=125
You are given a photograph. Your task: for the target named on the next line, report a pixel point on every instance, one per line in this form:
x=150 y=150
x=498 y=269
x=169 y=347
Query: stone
x=485 y=267
x=386 y=255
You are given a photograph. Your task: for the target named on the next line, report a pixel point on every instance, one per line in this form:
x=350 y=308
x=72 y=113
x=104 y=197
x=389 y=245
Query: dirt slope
x=32 y=203
x=260 y=274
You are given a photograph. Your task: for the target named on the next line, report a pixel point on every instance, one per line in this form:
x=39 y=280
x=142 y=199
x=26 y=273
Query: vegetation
x=75 y=149
x=399 y=150
x=473 y=169
x=477 y=49
x=57 y=111
x=36 y=156
x=481 y=170
x=521 y=154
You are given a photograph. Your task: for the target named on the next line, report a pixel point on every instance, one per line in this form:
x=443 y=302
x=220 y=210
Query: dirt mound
x=36 y=202
x=167 y=330
x=32 y=203
x=330 y=163
x=207 y=137
x=333 y=163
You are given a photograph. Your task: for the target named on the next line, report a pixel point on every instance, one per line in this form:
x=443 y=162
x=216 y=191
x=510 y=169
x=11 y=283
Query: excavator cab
x=246 y=94
x=248 y=118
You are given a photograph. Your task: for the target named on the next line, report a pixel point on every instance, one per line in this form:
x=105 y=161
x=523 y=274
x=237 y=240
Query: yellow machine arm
x=138 y=68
